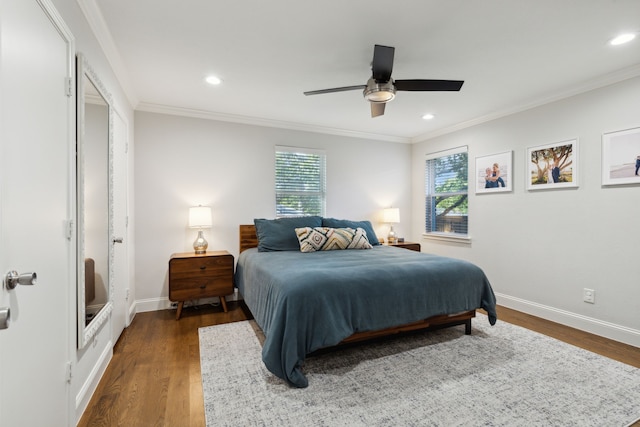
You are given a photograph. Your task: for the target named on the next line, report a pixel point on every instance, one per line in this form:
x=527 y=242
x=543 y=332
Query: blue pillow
x=345 y=223
x=280 y=234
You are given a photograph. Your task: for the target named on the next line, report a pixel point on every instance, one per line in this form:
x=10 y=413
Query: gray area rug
x=498 y=376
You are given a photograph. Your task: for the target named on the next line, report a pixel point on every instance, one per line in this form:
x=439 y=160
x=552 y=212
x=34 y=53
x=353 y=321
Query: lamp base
x=392 y=237
x=200 y=245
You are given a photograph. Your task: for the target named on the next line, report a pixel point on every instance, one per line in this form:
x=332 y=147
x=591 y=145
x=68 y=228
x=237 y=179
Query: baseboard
x=588 y=324
x=89 y=387
x=152 y=304
x=155 y=304
x=132 y=313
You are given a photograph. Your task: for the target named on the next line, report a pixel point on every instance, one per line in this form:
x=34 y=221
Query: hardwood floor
x=154 y=376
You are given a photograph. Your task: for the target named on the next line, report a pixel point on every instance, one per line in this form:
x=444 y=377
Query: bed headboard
x=248 y=237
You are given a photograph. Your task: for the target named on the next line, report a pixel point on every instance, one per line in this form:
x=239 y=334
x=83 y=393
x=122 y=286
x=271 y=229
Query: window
x=446 y=198
x=300 y=181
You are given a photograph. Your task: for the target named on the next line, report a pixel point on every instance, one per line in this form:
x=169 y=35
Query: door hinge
x=69 y=86
x=69 y=373
x=70 y=229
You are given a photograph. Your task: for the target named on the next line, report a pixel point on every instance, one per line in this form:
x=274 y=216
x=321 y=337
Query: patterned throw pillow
x=328 y=239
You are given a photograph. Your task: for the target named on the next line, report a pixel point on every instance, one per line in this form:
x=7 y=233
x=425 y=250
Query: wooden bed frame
x=249 y=239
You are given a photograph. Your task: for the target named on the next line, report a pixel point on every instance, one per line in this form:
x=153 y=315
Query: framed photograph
x=552 y=166
x=621 y=157
x=494 y=173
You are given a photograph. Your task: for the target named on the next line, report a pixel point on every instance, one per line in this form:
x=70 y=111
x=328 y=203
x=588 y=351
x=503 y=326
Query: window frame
x=429 y=193
x=321 y=178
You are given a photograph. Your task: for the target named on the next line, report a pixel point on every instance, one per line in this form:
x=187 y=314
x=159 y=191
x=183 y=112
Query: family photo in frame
x=494 y=173
x=621 y=157
x=553 y=166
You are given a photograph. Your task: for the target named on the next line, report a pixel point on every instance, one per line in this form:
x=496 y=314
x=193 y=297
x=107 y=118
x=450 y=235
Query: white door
x=121 y=297
x=35 y=207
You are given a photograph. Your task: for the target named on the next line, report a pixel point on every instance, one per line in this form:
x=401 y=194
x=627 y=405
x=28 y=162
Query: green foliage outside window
x=446 y=201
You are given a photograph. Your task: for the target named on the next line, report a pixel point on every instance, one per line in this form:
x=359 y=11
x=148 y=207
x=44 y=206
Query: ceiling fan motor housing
x=379 y=92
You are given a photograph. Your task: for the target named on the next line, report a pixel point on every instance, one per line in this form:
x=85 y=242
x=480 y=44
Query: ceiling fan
x=381 y=88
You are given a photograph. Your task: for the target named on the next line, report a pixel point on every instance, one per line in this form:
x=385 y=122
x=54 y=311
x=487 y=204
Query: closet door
x=121 y=289
x=36 y=205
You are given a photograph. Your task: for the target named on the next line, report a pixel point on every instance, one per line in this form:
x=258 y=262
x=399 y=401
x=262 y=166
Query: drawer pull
x=203 y=267
x=203 y=286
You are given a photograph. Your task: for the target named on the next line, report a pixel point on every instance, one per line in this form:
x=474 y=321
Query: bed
x=304 y=302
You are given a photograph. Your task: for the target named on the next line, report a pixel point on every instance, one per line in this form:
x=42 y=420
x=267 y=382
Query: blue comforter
x=307 y=301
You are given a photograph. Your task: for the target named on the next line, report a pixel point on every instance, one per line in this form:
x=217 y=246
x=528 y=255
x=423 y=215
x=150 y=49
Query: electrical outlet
x=174 y=305
x=589 y=295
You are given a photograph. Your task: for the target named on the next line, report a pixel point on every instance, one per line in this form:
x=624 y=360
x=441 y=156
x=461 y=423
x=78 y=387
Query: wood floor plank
x=154 y=376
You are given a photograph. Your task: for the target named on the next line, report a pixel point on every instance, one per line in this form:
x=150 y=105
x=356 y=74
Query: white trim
x=89 y=386
x=448 y=237
x=69 y=311
x=255 y=121
x=607 y=79
x=598 y=327
x=301 y=150
x=132 y=313
x=152 y=304
x=100 y=29
x=449 y=152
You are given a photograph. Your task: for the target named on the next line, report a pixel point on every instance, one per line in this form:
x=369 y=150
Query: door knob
x=5 y=316
x=13 y=279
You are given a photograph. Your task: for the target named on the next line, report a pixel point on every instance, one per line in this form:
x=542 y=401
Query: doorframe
x=59 y=24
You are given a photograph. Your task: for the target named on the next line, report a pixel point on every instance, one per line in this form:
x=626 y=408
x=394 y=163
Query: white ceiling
x=512 y=54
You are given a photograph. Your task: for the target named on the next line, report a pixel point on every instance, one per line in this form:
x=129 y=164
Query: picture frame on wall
x=552 y=166
x=621 y=157
x=494 y=173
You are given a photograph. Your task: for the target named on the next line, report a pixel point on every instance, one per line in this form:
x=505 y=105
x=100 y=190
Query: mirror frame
x=87 y=332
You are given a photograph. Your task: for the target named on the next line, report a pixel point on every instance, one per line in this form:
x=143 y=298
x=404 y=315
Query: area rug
x=499 y=376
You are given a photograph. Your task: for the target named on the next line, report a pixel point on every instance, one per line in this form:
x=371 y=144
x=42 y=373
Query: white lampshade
x=200 y=217
x=391 y=215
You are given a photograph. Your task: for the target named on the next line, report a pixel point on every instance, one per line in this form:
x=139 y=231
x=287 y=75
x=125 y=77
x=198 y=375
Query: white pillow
x=328 y=239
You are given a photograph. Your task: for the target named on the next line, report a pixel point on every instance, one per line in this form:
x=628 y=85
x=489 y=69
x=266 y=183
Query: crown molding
x=255 y=121
x=96 y=21
x=597 y=83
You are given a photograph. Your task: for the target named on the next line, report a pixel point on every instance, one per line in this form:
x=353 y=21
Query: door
x=35 y=208
x=121 y=297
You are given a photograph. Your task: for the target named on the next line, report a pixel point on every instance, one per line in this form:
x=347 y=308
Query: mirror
x=94 y=202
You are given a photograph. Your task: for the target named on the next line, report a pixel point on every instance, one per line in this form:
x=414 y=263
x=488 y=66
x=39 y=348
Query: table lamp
x=200 y=217
x=391 y=216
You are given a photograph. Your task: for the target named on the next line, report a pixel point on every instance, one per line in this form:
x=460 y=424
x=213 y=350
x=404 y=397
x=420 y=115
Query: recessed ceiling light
x=428 y=116
x=622 y=38
x=213 y=80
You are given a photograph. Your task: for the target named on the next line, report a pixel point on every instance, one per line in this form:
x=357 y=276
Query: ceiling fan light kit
x=381 y=88
x=379 y=92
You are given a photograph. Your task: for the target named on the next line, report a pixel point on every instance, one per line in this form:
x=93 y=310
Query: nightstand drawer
x=194 y=268
x=188 y=289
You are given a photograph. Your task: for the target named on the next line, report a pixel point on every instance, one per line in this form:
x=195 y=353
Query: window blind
x=300 y=181
x=446 y=192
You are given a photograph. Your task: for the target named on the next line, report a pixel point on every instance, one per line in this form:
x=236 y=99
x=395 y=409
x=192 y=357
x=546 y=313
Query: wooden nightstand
x=412 y=246
x=194 y=276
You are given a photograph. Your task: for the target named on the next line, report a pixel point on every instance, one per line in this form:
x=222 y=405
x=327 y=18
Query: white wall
x=541 y=248
x=181 y=162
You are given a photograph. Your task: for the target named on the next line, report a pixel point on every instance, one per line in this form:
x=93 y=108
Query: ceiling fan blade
x=382 y=63
x=377 y=108
x=428 y=85
x=335 y=89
